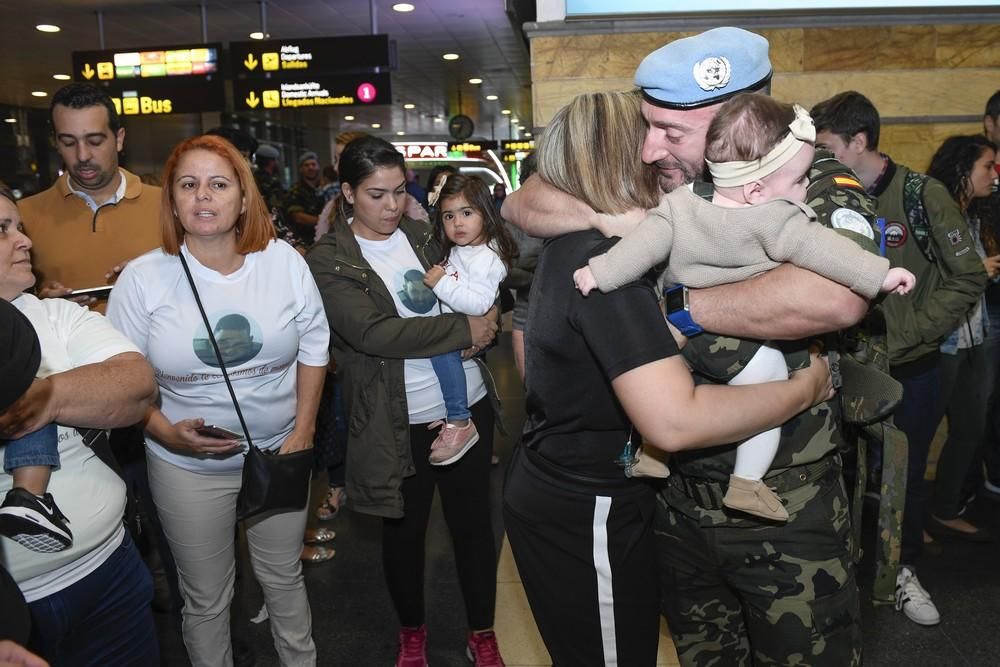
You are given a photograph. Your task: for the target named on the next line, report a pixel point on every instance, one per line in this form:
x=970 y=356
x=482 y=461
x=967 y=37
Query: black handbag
x=271 y=482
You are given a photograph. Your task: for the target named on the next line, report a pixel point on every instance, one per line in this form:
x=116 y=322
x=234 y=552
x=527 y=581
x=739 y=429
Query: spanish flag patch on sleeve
x=847 y=182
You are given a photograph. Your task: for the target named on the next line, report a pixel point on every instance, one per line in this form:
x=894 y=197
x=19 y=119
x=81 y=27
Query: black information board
x=323 y=90
x=156 y=80
x=311 y=56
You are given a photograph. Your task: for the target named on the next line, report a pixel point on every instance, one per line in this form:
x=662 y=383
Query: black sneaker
x=34 y=523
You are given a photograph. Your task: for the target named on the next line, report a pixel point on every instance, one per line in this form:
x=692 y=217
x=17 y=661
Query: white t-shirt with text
x=397 y=265
x=267 y=316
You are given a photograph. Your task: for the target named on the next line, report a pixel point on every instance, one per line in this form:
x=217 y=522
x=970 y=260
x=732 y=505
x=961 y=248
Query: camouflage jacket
x=270 y=189
x=840 y=202
x=303 y=198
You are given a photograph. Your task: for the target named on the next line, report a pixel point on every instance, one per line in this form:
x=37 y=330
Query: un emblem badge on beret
x=712 y=73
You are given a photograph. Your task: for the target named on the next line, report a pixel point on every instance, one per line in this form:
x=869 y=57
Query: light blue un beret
x=704 y=69
x=308 y=155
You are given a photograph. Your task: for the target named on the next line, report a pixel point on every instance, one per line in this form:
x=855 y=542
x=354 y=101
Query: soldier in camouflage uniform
x=738 y=590
x=269 y=184
x=305 y=202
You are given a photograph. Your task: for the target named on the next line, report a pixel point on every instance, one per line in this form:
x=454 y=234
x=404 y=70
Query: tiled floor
x=354 y=625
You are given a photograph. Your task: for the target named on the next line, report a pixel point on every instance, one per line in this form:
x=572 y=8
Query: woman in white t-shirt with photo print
x=386 y=324
x=267 y=317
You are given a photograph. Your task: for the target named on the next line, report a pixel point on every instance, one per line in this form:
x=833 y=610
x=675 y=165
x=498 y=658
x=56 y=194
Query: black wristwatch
x=679 y=310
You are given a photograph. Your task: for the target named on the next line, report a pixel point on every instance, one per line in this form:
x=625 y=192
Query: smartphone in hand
x=218 y=432
x=95 y=292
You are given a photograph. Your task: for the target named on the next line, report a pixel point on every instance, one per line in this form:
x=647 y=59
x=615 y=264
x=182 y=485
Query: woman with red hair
x=266 y=315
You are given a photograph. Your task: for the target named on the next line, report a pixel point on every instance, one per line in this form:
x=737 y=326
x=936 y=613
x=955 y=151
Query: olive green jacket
x=946 y=288
x=369 y=341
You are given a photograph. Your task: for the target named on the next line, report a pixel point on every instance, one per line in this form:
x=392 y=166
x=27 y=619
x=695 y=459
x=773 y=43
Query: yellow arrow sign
x=252 y=100
x=88 y=71
x=250 y=62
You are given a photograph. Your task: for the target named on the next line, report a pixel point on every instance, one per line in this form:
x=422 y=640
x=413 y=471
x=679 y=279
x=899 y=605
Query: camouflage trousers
x=738 y=591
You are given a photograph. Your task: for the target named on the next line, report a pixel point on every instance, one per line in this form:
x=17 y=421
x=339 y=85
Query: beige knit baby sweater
x=711 y=245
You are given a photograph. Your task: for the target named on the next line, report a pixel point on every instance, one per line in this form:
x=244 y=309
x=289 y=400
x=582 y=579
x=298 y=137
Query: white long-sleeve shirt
x=472 y=280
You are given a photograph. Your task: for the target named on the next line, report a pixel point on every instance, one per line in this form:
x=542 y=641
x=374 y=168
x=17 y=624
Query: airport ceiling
x=485 y=33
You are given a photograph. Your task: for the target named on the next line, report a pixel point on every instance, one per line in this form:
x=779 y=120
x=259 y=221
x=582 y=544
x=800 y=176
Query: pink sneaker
x=412 y=647
x=452 y=442
x=482 y=650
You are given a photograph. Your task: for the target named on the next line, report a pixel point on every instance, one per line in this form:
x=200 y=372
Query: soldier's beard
x=672 y=175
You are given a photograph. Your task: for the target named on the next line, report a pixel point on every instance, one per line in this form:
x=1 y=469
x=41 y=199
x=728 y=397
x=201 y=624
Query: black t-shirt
x=575 y=346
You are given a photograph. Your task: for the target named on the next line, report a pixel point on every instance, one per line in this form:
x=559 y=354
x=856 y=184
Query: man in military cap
x=266 y=176
x=305 y=202
x=736 y=589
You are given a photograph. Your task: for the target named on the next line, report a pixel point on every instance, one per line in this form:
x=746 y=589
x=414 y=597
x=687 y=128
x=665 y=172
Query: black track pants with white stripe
x=585 y=556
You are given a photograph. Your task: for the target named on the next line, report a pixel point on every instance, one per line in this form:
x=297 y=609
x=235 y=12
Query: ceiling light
x=505 y=112
x=475 y=81
x=400 y=133
x=47 y=27
x=38 y=93
x=61 y=77
x=409 y=106
x=348 y=117
x=402 y=7
x=527 y=134
x=436 y=119
x=257 y=35
x=522 y=128
x=376 y=126
x=492 y=98
x=450 y=56
x=10 y=120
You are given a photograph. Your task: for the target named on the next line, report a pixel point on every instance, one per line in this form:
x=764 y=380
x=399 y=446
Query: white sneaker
x=913 y=600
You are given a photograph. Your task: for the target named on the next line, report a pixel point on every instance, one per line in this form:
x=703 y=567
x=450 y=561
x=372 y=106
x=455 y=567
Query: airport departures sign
x=310 y=56
x=312 y=72
x=156 y=80
x=267 y=74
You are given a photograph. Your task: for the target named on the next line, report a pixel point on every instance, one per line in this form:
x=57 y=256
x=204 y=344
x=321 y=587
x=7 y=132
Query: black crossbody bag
x=271 y=482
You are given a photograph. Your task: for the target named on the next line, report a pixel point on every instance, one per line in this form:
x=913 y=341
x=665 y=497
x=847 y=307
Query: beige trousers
x=198 y=513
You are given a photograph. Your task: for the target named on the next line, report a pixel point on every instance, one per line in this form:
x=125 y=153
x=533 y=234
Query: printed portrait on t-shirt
x=239 y=338
x=414 y=294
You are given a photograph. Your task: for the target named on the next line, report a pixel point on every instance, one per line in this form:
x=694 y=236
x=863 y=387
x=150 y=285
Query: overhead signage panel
x=153 y=81
x=147 y=62
x=157 y=98
x=311 y=91
x=320 y=55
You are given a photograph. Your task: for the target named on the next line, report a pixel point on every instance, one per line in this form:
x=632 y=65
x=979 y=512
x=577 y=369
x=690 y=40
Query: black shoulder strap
x=215 y=346
x=916 y=212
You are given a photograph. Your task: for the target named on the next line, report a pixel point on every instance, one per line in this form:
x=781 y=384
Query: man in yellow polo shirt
x=96 y=216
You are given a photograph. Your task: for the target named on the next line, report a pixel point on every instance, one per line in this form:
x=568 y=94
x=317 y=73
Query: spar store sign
x=426 y=150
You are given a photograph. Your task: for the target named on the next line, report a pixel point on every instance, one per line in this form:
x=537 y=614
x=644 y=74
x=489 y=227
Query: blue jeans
x=104 y=619
x=451 y=376
x=918 y=416
x=40 y=448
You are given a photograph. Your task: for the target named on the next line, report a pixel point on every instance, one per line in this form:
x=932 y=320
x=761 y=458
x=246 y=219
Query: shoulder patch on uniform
x=895 y=234
x=852 y=221
x=955 y=236
x=848 y=182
